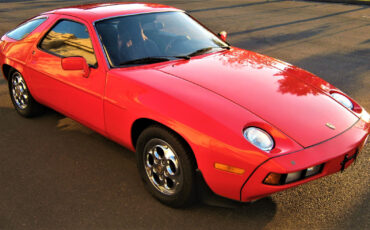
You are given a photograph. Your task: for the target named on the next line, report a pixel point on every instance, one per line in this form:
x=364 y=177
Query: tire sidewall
x=33 y=108
x=187 y=190
x=26 y=111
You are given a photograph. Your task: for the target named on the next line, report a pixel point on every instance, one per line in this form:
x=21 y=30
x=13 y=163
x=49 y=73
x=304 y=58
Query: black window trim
x=32 y=19
x=58 y=55
x=102 y=47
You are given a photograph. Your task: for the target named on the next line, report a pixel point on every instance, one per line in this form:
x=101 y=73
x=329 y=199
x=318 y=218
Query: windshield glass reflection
x=165 y=34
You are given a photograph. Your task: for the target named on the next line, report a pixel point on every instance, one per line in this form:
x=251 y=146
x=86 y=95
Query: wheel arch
x=9 y=65
x=141 y=124
x=6 y=70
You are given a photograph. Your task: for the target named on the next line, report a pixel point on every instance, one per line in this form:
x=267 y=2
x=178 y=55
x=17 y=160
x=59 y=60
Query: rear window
x=23 y=30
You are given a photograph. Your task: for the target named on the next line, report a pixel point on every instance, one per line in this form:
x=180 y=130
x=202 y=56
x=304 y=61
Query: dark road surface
x=57 y=174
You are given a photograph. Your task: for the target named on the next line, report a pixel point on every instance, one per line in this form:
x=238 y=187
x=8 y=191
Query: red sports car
x=200 y=114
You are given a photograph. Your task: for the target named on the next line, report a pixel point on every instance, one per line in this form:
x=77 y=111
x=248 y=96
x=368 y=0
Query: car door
x=68 y=91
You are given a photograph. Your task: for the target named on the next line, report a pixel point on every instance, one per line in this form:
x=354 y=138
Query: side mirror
x=223 y=35
x=76 y=63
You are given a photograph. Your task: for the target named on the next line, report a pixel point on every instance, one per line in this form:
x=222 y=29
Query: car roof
x=93 y=12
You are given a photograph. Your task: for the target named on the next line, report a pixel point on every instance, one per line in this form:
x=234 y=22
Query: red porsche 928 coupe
x=197 y=111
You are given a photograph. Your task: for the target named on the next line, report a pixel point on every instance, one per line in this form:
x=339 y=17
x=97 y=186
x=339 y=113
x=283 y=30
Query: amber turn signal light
x=281 y=179
x=273 y=179
x=229 y=168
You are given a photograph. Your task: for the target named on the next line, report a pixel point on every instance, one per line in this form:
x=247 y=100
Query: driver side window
x=69 y=39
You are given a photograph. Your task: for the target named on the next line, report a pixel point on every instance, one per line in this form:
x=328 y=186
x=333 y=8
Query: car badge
x=330 y=126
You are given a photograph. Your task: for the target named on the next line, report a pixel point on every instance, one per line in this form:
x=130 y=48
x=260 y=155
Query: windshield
x=154 y=37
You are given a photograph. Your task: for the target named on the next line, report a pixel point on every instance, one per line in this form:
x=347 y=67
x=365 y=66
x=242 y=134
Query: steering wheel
x=172 y=43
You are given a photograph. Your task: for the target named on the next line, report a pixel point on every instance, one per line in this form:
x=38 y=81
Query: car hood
x=275 y=91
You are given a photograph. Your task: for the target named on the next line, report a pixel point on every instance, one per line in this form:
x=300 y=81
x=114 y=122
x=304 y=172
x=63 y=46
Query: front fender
x=211 y=124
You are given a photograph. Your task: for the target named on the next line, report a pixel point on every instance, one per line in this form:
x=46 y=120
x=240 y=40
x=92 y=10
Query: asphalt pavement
x=58 y=174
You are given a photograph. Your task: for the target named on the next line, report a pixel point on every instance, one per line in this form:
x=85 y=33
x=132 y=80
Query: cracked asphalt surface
x=58 y=174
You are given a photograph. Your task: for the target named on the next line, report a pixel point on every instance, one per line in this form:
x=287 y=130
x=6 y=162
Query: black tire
x=21 y=97
x=157 y=138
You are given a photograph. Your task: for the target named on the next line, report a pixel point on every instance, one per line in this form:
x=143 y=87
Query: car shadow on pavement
x=67 y=175
x=255 y=215
x=353 y=221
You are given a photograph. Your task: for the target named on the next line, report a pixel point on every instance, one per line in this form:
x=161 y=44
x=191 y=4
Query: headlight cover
x=343 y=100
x=259 y=138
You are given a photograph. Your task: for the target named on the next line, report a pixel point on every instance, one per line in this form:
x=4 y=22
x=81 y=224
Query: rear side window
x=25 y=29
x=69 y=39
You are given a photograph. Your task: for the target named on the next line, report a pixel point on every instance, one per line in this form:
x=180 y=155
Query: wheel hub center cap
x=17 y=91
x=159 y=169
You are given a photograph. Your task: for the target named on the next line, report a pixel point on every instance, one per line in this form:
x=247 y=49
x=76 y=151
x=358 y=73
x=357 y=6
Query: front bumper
x=331 y=153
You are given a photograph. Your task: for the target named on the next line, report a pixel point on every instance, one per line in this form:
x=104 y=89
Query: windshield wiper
x=146 y=60
x=186 y=57
x=206 y=49
x=154 y=59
